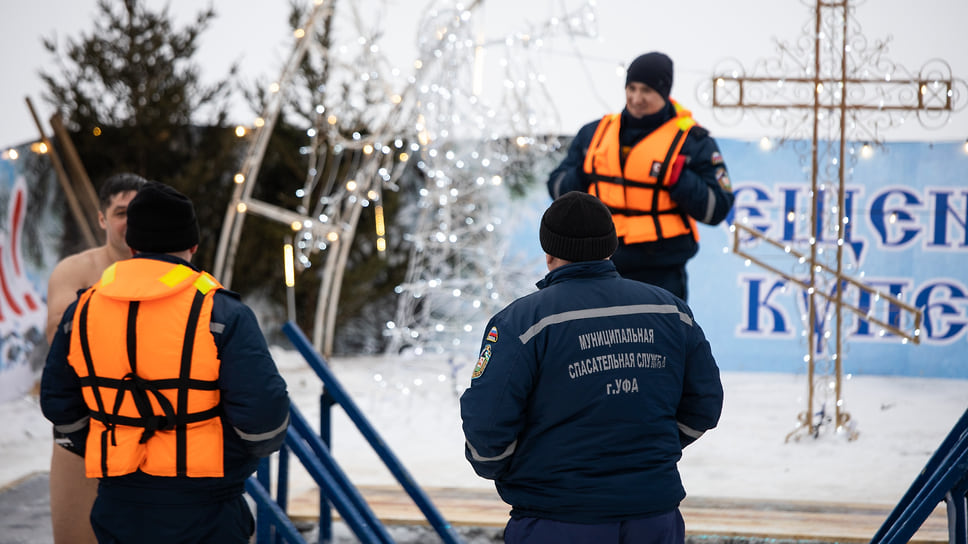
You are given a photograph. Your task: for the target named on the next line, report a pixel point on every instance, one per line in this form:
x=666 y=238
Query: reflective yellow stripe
x=108 y=275
x=205 y=283
x=176 y=275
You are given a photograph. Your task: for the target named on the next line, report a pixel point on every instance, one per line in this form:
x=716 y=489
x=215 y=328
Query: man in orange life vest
x=163 y=380
x=656 y=170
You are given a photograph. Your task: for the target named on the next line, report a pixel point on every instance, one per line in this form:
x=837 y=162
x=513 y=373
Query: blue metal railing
x=944 y=478
x=335 y=486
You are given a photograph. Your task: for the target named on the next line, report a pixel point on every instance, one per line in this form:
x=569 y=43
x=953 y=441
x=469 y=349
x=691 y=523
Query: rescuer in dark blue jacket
x=658 y=172
x=585 y=393
x=181 y=391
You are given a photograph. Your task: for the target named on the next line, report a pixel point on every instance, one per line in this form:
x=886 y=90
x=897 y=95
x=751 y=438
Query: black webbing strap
x=89 y=363
x=169 y=383
x=181 y=430
x=139 y=387
x=114 y=419
x=132 y=362
x=131 y=334
x=662 y=173
x=593 y=145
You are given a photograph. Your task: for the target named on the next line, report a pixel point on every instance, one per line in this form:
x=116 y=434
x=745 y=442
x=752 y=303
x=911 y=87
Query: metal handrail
x=335 y=486
x=339 y=395
x=944 y=478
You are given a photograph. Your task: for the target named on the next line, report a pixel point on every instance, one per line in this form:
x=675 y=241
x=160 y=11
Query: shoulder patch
x=482 y=362
x=492 y=335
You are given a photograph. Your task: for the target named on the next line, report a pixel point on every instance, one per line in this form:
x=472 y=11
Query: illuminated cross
x=834 y=91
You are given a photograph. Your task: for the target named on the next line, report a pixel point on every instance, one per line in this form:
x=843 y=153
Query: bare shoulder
x=79 y=270
x=69 y=276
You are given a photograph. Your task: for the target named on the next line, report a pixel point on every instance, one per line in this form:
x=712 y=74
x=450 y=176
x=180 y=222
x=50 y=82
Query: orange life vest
x=149 y=367
x=638 y=197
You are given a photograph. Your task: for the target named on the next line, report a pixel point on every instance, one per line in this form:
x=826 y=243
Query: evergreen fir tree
x=133 y=100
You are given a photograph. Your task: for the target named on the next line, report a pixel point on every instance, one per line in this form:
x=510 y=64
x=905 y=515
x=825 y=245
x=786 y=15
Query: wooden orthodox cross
x=831 y=90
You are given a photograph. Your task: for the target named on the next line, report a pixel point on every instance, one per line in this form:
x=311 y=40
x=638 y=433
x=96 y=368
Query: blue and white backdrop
x=908 y=211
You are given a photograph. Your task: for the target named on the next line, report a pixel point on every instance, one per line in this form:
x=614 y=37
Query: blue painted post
x=325 y=434
x=270 y=509
x=957 y=501
x=263 y=527
x=282 y=484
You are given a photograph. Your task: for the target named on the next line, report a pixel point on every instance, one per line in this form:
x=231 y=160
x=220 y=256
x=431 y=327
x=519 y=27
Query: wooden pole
x=72 y=202
x=78 y=175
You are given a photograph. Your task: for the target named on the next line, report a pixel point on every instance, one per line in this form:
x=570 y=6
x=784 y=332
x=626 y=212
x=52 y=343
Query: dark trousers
x=117 y=521
x=665 y=528
x=670 y=278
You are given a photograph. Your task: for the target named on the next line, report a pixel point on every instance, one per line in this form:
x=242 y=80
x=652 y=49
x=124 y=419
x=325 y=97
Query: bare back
x=76 y=272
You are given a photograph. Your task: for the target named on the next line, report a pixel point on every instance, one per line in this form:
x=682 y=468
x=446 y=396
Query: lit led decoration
x=366 y=121
x=469 y=147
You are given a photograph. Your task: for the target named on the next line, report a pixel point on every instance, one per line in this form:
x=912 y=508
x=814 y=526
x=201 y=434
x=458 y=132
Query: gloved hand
x=676 y=170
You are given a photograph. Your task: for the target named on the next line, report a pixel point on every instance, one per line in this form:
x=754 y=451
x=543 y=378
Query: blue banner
x=905 y=210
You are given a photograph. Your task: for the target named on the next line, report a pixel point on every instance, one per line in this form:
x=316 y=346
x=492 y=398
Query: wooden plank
x=724 y=517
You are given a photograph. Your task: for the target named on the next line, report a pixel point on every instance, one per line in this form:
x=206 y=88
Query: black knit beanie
x=161 y=220
x=578 y=227
x=654 y=69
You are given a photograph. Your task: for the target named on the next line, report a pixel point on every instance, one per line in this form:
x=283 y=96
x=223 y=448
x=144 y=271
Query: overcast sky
x=582 y=75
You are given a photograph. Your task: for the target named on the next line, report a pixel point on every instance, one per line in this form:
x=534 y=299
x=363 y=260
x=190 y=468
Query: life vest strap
x=670 y=155
x=148 y=422
x=596 y=178
x=640 y=213
x=89 y=363
x=188 y=346
x=170 y=383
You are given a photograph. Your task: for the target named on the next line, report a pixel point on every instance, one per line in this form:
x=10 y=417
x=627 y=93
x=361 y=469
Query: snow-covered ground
x=412 y=402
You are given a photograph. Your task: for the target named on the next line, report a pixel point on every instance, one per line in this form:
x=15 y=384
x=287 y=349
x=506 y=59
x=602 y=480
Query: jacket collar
x=584 y=269
x=166 y=258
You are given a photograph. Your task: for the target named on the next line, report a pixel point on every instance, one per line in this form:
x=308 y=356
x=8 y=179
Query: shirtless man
x=72 y=494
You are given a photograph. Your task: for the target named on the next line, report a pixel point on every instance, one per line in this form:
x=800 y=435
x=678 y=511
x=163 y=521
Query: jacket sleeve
x=61 y=400
x=701 y=403
x=254 y=394
x=494 y=407
x=570 y=175
x=703 y=190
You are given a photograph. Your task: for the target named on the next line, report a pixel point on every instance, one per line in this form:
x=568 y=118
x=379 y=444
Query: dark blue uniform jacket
x=584 y=395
